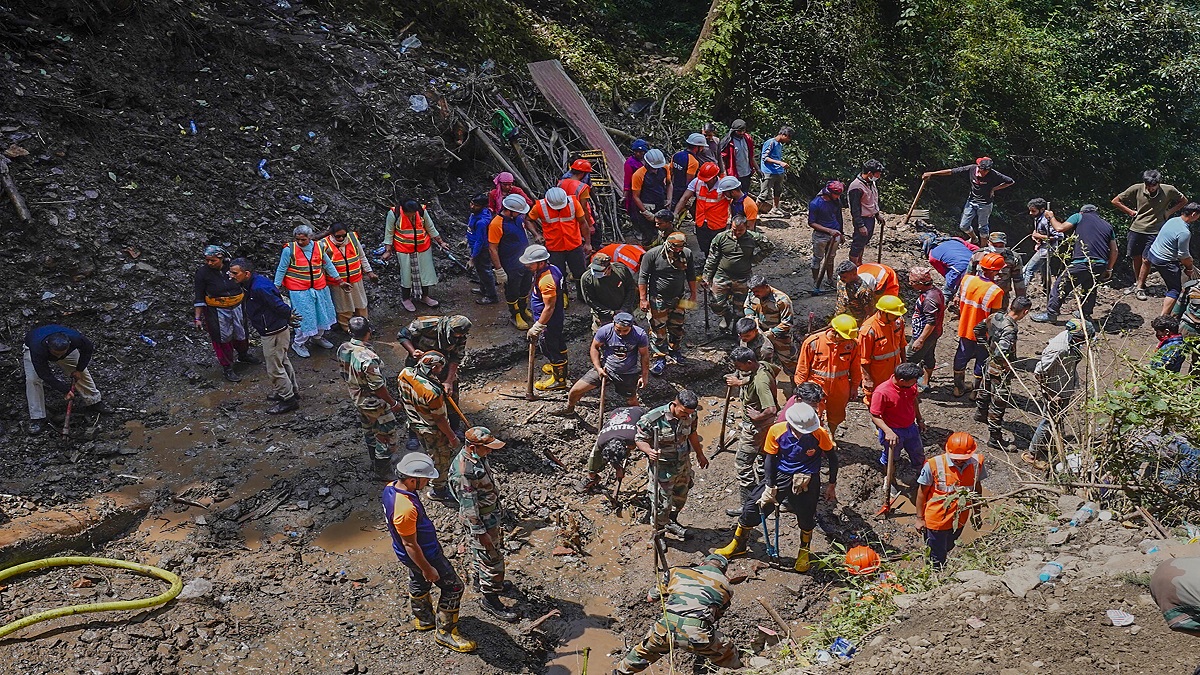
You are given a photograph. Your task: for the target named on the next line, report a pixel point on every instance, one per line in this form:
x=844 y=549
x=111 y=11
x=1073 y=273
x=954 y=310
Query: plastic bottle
x=410 y=42
x=148 y=341
x=1050 y=571
x=262 y=169
x=1084 y=514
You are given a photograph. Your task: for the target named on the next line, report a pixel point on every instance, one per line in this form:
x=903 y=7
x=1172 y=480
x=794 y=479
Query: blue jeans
x=910 y=440
x=977 y=215
x=483 y=269
x=969 y=350
x=1039 y=260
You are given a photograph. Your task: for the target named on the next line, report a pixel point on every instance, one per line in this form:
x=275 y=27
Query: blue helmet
x=639 y=146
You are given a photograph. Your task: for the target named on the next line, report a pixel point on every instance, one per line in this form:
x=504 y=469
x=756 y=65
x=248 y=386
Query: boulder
x=1021 y=580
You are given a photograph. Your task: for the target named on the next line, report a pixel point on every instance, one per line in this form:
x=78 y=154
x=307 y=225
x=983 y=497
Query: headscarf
x=213 y=250
x=449 y=325
x=502 y=177
x=428 y=361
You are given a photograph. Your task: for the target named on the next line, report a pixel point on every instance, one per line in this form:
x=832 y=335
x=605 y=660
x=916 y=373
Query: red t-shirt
x=897 y=406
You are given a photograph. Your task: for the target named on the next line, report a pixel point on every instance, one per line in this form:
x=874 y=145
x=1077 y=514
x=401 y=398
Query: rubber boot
x=492 y=605
x=556 y=381
x=960 y=383
x=422 y=610
x=981 y=406
x=523 y=308
x=975 y=387
x=517 y=319
x=802 y=556
x=447 y=633
x=736 y=547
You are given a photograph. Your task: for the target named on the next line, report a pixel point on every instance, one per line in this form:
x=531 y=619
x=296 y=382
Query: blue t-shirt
x=1173 y=242
x=825 y=213
x=477 y=231
x=953 y=253
x=773 y=149
x=619 y=353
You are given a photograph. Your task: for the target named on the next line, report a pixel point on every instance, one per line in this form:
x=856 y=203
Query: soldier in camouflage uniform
x=478 y=498
x=999 y=333
x=750 y=336
x=1011 y=276
x=760 y=403
x=1175 y=586
x=444 y=334
x=361 y=369
x=853 y=296
x=665 y=273
x=696 y=597
x=671 y=460
x=732 y=255
x=424 y=400
x=771 y=308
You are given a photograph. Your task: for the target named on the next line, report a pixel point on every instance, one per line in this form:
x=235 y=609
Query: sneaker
x=230 y=375
x=1141 y=294
x=589 y=483
x=301 y=350
x=675 y=529
x=286 y=405
x=1044 y=317
x=249 y=357
x=408 y=305
x=37 y=426
x=659 y=365
x=322 y=342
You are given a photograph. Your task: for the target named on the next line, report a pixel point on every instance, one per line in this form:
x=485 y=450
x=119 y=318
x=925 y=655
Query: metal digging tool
x=66 y=432
x=886 y=509
x=772 y=548
x=603 y=391
x=660 y=554
x=529 y=395
x=907 y=217
x=706 y=299
x=453 y=404
x=722 y=445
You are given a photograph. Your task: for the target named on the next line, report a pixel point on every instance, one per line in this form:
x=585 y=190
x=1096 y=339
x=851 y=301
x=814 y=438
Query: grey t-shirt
x=741 y=156
x=981 y=186
x=620 y=352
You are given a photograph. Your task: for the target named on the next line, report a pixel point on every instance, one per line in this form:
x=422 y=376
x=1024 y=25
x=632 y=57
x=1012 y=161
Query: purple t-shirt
x=931 y=306
x=632 y=164
x=619 y=353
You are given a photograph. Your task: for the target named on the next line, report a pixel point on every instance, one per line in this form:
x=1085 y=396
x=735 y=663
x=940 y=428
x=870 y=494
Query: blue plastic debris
x=262 y=169
x=306 y=199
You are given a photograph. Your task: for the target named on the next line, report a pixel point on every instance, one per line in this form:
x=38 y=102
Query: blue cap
x=623 y=318
x=640 y=145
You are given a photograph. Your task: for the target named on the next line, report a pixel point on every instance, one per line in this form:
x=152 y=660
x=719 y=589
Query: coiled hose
x=119 y=605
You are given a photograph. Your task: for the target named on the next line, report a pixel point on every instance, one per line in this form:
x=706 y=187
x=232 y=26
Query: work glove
x=501 y=276
x=768 y=496
x=536 y=330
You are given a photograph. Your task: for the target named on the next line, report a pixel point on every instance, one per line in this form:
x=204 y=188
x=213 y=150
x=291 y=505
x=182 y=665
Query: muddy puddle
x=587 y=643
x=363 y=531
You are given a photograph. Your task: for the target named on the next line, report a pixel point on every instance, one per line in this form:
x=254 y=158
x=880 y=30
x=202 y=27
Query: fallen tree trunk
x=10 y=188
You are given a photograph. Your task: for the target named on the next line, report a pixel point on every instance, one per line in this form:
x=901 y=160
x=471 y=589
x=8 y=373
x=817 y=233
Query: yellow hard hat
x=892 y=305
x=846 y=326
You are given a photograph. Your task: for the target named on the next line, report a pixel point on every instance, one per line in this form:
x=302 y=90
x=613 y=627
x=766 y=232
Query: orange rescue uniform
x=946 y=478
x=833 y=363
x=629 y=255
x=564 y=228
x=712 y=210
x=978 y=298
x=886 y=281
x=881 y=341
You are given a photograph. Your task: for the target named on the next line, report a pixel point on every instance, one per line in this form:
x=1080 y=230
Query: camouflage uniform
x=696 y=597
x=757 y=394
x=857 y=300
x=424 y=400
x=666 y=282
x=762 y=348
x=432 y=333
x=479 y=509
x=727 y=269
x=1175 y=586
x=999 y=333
x=361 y=369
x=1007 y=278
x=774 y=316
x=673 y=477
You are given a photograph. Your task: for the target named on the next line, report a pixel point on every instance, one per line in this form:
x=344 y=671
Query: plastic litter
x=192 y=125
x=418 y=103
x=1120 y=617
x=196 y=588
x=1084 y=514
x=410 y=42
x=140 y=306
x=283 y=5
x=306 y=199
x=262 y=169
x=842 y=648
x=148 y=341
x=1050 y=571
x=312 y=135
x=1149 y=546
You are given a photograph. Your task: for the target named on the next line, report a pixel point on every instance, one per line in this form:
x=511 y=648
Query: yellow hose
x=119 y=605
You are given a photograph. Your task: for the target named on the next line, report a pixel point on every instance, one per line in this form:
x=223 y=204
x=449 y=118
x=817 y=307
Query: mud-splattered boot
x=960 y=383
x=557 y=380
x=447 y=633
x=976 y=388
x=802 y=556
x=517 y=318
x=422 y=611
x=737 y=547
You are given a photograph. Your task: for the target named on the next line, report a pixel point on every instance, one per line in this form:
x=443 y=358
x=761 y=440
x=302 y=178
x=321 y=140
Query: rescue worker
x=362 y=370
x=546 y=303
x=446 y=335
x=760 y=403
x=950 y=257
x=72 y=352
x=978 y=298
x=881 y=342
x=998 y=333
x=771 y=309
x=863 y=198
x=218 y=310
x=1056 y=373
x=649 y=189
x=617 y=438
x=424 y=400
x=928 y=316
x=479 y=510
x=854 y=296
x=940 y=517
x=415 y=543
x=578 y=184
x=667 y=435
x=507 y=240
x=272 y=319
x=880 y=278
x=342 y=248
x=685 y=165
x=664 y=273
x=831 y=359
x=628 y=255
x=695 y=599
x=731 y=259
x=740 y=202
x=712 y=210
x=564 y=231
x=481 y=258
x=1011 y=277
x=409 y=233
x=896 y=413
x=305 y=273
x=792 y=452
x=620 y=353
x=606 y=289
x=633 y=162
x=750 y=336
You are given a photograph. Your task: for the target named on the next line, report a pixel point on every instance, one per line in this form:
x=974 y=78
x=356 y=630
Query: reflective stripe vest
x=575 y=187
x=349 y=265
x=941 y=514
x=886 y=282
x=303 y=273
x=881 y=341
x=559 y=226
x=409 y=235
x=629 y=255
x=426 y=534
x=823 y=358
x=712 y=210
x=977 y=299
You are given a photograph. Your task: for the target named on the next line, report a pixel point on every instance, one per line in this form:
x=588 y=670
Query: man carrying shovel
x=759 y=398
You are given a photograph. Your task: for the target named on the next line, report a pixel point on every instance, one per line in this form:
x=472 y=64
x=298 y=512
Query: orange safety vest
x=575 y=187
x=349 y=264
x=629 y=255
x=559 y=226
x=409 y=236
x=834 y=365
x=304 y=273
x=941 y=514
x=712 y=210
x=977 y=299
x=886 y=282
x=881 y=342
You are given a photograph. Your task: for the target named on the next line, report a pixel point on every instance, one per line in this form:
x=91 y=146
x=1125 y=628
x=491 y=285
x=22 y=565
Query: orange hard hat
x=992 y=261
x=708 y=171
x=581 y=165
x=862 y=560
x=960 y=446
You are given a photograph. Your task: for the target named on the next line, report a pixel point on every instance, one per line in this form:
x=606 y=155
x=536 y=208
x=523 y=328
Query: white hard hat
x=696 y=139
x=516 y=203
x=416 y=465
x=801 y=417
x=557 y=197
x=534 y=254
x=655 y=159
x=729 y=183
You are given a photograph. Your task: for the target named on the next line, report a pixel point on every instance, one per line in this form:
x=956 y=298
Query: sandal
x=1040 y=465
x=408 y=305
x=429 y=302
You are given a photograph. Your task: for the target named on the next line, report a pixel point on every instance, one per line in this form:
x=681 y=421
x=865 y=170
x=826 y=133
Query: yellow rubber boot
x=422 y=610
x=447 y=633
x=802 y=556
x=556 y=380
x=737 y=547
x=517 y=318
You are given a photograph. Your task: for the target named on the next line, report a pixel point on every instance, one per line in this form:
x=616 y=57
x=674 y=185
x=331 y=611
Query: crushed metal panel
x=565 y=97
